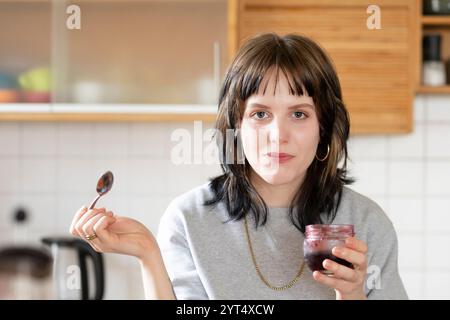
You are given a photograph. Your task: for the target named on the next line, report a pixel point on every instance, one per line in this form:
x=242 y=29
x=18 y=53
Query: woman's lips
x=280 y=157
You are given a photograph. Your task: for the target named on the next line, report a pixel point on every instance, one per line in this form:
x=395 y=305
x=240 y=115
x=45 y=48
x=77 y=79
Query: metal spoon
x=104 y=184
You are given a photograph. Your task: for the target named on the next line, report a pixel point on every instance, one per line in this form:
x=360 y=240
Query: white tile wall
x=436 y=285
x=437 y=256
x=10 y=174
x=75 y=139
x=10 y=136
x=39 y=139
x=436 y=108
x=410 y=252
x=405 y=177
x=42 y=211
x=438 y=141
x=51 y=169
x=193 y=175
x=419 y=109
x=117 y=282
x=437 y=177
x=414 y=282
x=110 y=139
x=38 y=174
x=437 y=218
x=8 y=205
x=75 y=174
x=370 y=175
x=148 y=176
x=367 y=147
x=147 y=139
x=407 y=213
x=148 y=209
x=212 y=170
x=407 y=146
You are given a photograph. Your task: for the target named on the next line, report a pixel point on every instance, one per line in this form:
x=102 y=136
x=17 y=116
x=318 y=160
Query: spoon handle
x=94 y=202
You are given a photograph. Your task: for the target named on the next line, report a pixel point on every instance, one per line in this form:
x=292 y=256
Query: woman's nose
x=278 y=132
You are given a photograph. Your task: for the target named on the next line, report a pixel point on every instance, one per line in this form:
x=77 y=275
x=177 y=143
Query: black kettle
x=71 y=272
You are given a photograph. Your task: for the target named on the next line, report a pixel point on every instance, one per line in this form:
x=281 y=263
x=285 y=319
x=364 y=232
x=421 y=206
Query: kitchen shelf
x=438 y=90
x=432 y=24
x=436 y=20
x=105 y=112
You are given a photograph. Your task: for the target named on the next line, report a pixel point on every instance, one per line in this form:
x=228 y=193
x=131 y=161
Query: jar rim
x=331 y=226
x=320 y=229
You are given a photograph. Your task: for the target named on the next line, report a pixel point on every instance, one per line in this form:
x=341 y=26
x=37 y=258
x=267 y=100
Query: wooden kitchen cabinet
x=378 y=69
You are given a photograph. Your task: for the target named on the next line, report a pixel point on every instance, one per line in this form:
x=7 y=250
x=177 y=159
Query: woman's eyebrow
x=301 y=105
x=258 y=105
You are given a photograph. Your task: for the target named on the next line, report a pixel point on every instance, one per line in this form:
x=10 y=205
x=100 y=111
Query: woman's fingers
x=348 y=283
x=104 y=238
x=356 y=244
x=100 y=242
x=340 y=271
x=75 y=219
x=88 y=227
x=86 y=217
x=356 y=258
x=332 y=282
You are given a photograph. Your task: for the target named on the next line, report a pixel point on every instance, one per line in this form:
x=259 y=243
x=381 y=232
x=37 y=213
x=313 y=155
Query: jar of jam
x=320 y=239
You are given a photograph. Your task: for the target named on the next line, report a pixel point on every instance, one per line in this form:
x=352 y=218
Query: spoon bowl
x=104 y=184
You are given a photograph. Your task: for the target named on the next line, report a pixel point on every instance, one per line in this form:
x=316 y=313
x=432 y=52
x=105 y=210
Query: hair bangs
x=275 y=60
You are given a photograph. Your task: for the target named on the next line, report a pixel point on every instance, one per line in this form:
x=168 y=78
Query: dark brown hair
x=307 y=68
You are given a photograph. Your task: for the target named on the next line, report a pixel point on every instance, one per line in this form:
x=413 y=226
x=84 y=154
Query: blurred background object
x=8 y=88
x=434 y=73
x=78 y=271
x=36 y=85
x=65 y=268
x=25 y=267
x=437 y=7
x=25 y=273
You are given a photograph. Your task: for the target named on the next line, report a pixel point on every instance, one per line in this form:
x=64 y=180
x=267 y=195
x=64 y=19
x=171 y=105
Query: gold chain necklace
x=258 y=271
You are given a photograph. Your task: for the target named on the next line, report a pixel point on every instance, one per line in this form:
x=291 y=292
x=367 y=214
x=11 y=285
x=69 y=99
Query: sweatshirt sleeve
x=383 y=279
x=177 y=256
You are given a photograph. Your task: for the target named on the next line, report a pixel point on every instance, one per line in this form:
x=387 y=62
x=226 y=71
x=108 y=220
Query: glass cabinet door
x=148 y=51
x=126 y=52
x=25 y=51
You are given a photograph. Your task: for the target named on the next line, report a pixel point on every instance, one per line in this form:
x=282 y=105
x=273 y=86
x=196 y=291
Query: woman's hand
x=126 y=236
x=348 y=283
x=113 y=234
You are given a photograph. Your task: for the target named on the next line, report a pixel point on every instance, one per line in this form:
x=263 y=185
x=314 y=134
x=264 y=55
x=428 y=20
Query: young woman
x=240 y=236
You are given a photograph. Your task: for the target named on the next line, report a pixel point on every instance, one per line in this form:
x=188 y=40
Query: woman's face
x=280 y=133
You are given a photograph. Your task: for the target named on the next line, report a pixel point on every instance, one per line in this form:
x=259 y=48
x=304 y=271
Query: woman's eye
x=298 y=114
x=260 y=115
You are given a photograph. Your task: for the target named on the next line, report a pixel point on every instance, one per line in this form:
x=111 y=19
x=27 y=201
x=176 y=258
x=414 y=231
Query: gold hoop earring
x=326 y=156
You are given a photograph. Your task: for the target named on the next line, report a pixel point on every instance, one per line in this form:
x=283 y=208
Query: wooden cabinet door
x=378 y=68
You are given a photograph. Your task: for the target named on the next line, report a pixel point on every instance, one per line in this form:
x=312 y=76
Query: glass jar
x=320 y=239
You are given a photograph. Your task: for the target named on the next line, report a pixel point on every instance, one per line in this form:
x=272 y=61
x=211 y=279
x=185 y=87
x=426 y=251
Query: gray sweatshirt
x=209 y=259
